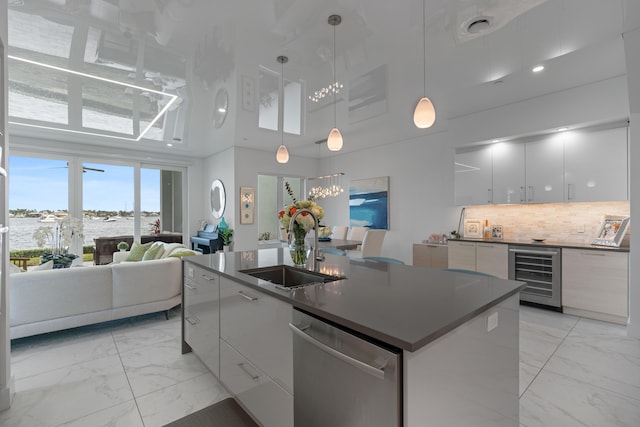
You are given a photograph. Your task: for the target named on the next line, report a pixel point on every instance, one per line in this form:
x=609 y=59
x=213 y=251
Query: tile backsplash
x=564 y=222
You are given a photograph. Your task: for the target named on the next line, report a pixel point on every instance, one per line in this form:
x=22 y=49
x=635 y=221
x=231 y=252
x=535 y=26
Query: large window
x=42 y=191
x=272 y=198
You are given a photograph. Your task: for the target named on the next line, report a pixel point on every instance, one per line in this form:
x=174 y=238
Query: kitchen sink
x=288 y=277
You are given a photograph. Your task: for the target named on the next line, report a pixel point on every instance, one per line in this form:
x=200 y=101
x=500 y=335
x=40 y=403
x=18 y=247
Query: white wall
x=420 y=195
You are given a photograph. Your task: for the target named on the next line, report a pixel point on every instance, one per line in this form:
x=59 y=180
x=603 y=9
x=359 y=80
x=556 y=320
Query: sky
x=42 y=184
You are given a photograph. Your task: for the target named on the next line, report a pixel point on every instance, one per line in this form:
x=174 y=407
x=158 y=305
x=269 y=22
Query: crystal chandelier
x=320 y=187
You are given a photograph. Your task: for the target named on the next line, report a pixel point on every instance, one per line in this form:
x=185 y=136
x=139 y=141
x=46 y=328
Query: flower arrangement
x=155 y=226
x=59 y=239
x=303 y=223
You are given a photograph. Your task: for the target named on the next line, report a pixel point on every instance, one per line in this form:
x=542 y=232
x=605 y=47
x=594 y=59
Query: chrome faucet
x=317 y=255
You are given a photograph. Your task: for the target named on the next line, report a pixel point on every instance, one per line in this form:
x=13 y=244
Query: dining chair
x=357 y=233
x=339 y=232
x=371 y=244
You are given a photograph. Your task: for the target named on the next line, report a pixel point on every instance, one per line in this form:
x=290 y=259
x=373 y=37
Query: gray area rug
x=226 y=413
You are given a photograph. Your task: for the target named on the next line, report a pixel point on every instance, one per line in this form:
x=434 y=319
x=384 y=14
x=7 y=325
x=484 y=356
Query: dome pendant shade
x=424 y=115
x=282 y=155
x=334 y=142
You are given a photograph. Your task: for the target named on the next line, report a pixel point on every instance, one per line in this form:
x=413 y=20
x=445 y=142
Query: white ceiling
x=221 y=43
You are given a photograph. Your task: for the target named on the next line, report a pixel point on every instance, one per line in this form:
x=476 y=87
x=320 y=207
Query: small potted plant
x=226 y=236
x=123 y=246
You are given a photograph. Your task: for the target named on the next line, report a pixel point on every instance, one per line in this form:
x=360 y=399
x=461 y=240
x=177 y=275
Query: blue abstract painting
x=369 y=203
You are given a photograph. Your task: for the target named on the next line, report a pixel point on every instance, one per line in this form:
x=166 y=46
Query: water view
x=21 y=229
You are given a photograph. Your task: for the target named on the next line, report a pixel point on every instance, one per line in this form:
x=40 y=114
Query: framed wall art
x=612 y=230
x=247 y=205
x=472 y=228
x=496 y=232
x=369 y=203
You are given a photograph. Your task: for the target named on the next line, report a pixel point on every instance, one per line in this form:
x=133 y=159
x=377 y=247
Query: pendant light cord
x=424 y=47
x=335 y=119
x=282 y=100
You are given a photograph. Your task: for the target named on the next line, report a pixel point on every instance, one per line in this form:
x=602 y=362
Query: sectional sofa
x=52 y=300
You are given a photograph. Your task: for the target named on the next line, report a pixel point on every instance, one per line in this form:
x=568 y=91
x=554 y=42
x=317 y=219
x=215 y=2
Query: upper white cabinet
x=473 y=177
x=596 y=166
x=544 y=166
x=574 y=166
x=508 y=173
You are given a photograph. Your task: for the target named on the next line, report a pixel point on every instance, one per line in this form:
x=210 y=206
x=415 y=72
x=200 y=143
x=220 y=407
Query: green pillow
x=138 y=250
x=179 y=253
x=154 y=252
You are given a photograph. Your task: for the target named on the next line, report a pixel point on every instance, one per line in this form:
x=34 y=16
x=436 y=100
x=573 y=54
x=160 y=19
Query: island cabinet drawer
x=259 y=394
x=257 y=326
x=596 y=284
x=462 y=255
x=201 y=294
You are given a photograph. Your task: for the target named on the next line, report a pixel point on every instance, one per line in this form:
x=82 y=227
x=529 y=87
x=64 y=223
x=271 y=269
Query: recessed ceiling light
x=538 y=68
x=495 y=140
x=169 y=145
x=562 y=129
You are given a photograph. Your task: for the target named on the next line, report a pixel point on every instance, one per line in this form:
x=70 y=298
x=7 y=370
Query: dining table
x=339 y=244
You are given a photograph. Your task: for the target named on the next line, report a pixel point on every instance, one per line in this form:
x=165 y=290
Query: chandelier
x=320 y=187
x=332 y=89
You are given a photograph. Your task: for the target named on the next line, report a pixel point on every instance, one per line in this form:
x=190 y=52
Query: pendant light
x=282 y=155
x=424 y=115
x=334 y=141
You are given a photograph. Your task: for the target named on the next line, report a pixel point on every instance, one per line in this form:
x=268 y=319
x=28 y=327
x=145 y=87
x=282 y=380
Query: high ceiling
x=146 y=73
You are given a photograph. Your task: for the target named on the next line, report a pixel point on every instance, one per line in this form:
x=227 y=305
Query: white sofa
x=52 y=300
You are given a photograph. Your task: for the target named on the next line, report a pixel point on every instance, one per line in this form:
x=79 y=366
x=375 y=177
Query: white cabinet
x=257 y=352
x=493 y=259
x=575 y=166
x=529 y=172
x=544 y=167
x=201 y=314
x=508 y=173
x=484 y=257
x=473 y=171
x=429 y=255
x=595 y=284
x=596 y=166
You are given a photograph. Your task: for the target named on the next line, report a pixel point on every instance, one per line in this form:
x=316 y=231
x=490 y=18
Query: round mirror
x=218 y=199
x=221 y=107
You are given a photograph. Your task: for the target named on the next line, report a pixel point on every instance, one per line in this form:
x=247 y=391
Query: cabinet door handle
x=489 y=195
x=531 y=195
x=247 y=296
x=205 y=277
x=521 y=194
x=592 y=253
x=193 y=288
x=571 y=192
x=191 y=320
x=254 y=377
x=466 y=244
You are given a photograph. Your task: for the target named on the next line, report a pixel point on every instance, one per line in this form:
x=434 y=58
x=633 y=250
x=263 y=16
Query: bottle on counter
x=485 y=232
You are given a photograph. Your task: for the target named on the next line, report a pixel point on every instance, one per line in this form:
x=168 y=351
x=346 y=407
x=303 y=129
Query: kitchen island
x=458 y=333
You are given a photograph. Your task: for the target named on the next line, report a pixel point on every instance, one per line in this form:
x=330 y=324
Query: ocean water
x=21 y=230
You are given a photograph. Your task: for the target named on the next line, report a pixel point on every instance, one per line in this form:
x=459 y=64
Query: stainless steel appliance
x=541 y=268
x=341 y=378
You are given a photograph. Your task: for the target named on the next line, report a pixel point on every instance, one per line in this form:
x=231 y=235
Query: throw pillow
x=179 y=253
x=46 y=266
x=138 y=250
x=154 y=252
x=170 y=247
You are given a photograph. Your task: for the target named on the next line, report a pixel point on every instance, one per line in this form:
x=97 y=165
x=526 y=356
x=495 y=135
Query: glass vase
x=298 y=248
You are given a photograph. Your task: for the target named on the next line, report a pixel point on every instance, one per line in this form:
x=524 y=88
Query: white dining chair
x=339 y=232
x=357 y=233
x=371 y=245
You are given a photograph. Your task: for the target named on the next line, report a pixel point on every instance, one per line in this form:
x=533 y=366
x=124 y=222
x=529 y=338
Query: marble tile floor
x=573 y=372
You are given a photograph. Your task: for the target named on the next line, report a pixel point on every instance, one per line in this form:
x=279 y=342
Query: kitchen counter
x=547 y=243
x=404 y=306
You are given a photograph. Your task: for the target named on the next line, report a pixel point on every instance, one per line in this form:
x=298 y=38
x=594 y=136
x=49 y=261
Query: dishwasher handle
x=372 y=370
x=526 y=251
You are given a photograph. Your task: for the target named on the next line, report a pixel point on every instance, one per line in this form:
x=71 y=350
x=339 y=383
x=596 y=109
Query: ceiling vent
x=479 y=24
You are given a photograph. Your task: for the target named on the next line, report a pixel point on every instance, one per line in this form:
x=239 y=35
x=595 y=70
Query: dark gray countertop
x=404 y=306
x=547 y=243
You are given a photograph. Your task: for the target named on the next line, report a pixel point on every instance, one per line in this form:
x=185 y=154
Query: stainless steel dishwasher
x=341 y=378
